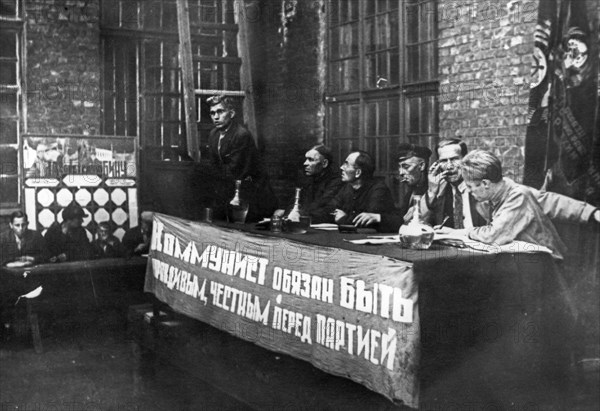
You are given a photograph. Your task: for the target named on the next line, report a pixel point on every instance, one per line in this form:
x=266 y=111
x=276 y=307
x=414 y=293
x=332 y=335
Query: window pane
x=8 y=132
x=129 y=14
x=8 y=44
x=350 y=75
x=151 y=15
x=8 y=8
x=9 y=160
x=8 y=105
x=383 y=118
x=8 y=73
x=9 y=189
x=412 y=24
x=371 y=119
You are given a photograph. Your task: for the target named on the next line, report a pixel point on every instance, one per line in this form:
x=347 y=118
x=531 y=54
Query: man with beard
x=412 y=169
x=324 y=183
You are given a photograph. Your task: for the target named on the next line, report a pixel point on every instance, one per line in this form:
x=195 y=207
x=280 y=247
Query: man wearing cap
x=136 y=240
x=68 y=241
x=412 y=168
x=323 y=183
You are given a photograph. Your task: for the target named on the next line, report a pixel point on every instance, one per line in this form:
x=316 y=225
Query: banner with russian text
x=350 y=314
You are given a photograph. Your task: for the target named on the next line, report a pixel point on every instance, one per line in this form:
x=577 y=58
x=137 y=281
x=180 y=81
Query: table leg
x=32 y=319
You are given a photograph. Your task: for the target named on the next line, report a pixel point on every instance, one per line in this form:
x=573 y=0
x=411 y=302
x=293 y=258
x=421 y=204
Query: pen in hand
x=437 y=227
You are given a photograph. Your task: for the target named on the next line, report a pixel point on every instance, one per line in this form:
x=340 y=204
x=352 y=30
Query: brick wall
x=288 y=86
x=485 y=52
x=63 y=66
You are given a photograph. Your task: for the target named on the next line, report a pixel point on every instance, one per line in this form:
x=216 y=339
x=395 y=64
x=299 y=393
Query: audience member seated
x=106 y=244
x=323 y=184
x=21 y=243
x=515 y=212
x=136 y=240
x=68 y=241
x=412 y=168
x=361 y=193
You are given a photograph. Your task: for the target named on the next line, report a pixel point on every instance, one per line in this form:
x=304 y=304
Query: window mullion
x=361 y=74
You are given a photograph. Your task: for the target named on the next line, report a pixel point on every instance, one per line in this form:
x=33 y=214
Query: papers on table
x=32 y=294
x=466 y=242
x=325 y=226
x=376 y=240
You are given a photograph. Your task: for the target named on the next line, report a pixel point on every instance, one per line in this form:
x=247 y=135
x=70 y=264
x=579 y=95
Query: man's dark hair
x=450 y=141
x=17 y=214
x=221 y=99
x=325 y=152
x=365 y=162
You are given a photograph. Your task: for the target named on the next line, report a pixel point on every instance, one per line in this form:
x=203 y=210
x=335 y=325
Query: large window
x=11 y=27
x=142 y=74
x=382 y=77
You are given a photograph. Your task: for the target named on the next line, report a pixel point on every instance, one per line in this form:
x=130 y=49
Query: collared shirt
x=517 y=215
x=466 y=203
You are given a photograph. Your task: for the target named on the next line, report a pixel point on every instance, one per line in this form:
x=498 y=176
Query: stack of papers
x=325 y=226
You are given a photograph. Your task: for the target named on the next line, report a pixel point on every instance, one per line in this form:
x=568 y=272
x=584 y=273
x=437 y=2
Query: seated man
x=362 y=193
x=324 y=183
x=107 y=245
x=412 y=166
x=21 y=243
x=515 y=212
x=68 y=241
x=448 y=201
x=136 y=240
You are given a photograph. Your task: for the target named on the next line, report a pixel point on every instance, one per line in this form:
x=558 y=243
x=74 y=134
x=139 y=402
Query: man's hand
x=140 y=248
x=365 y=219
x=597 y=216
x=58 y=258
x=338 y=215
x=436 y=179
x=27 y=258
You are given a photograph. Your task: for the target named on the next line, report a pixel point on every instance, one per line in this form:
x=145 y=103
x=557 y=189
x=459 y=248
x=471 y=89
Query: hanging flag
x=562 y=143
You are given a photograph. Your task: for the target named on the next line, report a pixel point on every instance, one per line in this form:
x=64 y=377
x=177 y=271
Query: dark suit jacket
x=32 y=244
x=392 y=220
x=372 y=197
x=318 y=193
x=239 y=159
x=74 y=244
x=437 y=209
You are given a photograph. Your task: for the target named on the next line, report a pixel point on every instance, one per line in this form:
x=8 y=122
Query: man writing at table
x=513 y=210
x=412 y=169
x=362 y=193
x=448 y=202
x=21 y=243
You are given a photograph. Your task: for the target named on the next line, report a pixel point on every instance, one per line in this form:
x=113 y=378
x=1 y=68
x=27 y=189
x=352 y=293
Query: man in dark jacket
x=234 y=156
x=21 y=243
x=362 y=193
x=323 y=184
x=68 y=241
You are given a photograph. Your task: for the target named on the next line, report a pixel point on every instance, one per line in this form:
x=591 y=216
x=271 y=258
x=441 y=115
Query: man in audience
x=514 y=212
x=361 y=192
x=234 y=156
x=21 y=243
x=68 y=241
x=412 y=168
x=324 y=183
x=107 y=245
x=136 y=240
x=448 y=201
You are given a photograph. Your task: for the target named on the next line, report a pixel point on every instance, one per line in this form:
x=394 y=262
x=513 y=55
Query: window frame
x=403 y=95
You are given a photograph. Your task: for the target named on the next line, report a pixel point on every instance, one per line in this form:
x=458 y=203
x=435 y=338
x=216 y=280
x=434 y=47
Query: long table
x=72 y=286
x=390 y=318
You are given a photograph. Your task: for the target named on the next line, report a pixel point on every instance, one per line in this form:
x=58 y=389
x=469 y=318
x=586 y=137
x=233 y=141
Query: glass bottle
x=416 y=234
x=237 y=209
x=296 y=211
